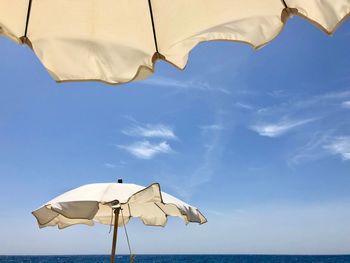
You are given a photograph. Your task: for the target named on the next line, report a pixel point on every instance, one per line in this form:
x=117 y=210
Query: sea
x=178 y=258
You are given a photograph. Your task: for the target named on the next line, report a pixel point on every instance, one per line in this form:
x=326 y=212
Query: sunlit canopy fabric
x=93 y=203
x=117 y=41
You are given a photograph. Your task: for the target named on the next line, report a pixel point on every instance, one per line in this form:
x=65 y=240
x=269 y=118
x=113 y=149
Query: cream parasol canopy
x=117 y=41
x=115 y=203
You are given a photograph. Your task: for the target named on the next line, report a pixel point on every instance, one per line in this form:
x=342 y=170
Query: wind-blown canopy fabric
x=117 y=41
x=93 y=203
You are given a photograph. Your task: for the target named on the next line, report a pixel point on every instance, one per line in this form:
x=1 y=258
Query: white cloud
x=340 y=146
x=346 y=104
x=278 y=129
x=151 y=131
x=147 y=150
x=184 y=85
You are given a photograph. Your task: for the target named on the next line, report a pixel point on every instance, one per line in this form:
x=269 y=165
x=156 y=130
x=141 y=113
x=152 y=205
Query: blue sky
x=258 y=140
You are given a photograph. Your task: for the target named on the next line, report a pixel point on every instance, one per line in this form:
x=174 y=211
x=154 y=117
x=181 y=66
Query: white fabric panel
x=92 y=203
x=13 y=16
x=182 y=24
x=76 y=210
x=113 y=41
x=325 y=13
x=104 y=40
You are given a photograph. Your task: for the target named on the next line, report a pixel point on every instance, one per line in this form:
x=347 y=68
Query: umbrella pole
x=114 y=244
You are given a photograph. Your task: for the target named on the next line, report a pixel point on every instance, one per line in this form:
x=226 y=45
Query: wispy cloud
x=334 y=95
x=212 y=127
x=320 y=145
x=184 y=85
x=299 y=104
x=311 y=150
x=346 y=104
x=323 y=98
x=147 y=150
x=110 y=165
x=203 y=173
x=213 y=137
x=277 y=93
x=114 y=165
x=340 y=146
x=150 y=131
x=244 y=106
x=278 y=129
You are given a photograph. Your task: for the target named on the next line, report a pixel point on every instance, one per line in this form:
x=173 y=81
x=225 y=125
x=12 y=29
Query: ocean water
x=178 y=258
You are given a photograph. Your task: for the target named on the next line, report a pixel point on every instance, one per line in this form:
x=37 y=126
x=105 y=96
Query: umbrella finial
x=120 y=181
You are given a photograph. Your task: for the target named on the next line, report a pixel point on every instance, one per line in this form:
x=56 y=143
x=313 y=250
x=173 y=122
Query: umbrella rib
x=153 y=27
x=28 y=17
x=166 y=215
x=129 y=210
x=284 y=3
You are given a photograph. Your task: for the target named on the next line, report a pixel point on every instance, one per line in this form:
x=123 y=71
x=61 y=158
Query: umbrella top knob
x=115 y=204
x=120 y=181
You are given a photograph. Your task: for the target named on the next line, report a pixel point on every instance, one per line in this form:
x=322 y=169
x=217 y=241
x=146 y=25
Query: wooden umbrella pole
x=114 y=244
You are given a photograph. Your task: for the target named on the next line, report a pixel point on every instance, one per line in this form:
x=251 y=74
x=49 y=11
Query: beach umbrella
x=115 y=204
x=117 y=41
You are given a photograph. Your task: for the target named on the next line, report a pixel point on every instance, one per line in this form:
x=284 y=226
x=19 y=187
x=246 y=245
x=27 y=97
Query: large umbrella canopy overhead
x=117 y=41
x=93 y=203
